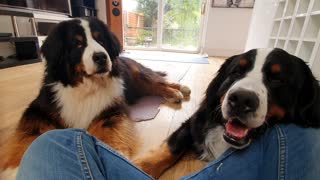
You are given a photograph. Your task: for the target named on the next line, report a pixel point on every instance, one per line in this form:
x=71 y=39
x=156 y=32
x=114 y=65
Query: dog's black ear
x=308 y=105
x=111 y=42
x=55 y=53
x=213 y=90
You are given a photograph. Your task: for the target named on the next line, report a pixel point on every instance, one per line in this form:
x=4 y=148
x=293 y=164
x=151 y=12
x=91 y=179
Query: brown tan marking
x=96 y=34
x=276 y=111
x=156 y=162
x=13 y=149
x=276 y=68
x=120 y=135
x=243 y=62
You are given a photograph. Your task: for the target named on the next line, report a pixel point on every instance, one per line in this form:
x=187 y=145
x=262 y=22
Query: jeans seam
x=101 y=144
x=82 y=157
x=282 y=154
x=215 y=162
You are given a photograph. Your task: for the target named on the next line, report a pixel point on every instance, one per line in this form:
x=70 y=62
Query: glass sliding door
x=181 y=24
x=140 y=19
x=170 y=25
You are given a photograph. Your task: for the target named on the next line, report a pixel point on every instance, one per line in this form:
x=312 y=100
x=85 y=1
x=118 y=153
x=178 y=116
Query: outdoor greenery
x=181 y=21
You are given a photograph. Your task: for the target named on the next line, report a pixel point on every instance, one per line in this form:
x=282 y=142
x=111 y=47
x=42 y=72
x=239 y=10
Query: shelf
x=316 y=5
x=285 y=27
x=306 y=50
x=310 y=39
x=315 y=12
x=292 y=46
x=275 y=28
x=290 y=7
x=303 y=6
x=297 y=30
x=297 y=27
x=288 y=17
x=280 y=9
x=15 y=62
x=280 y=44
x=301 y=15
x=313 y=27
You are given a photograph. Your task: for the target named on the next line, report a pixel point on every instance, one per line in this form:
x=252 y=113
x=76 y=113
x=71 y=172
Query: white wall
x=261 y=23
x=101 y=7
x=227 y=31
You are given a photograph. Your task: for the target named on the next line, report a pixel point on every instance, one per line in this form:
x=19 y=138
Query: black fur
x=298 y=93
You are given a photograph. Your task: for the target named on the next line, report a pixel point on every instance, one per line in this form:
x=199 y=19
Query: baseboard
x=223 y=52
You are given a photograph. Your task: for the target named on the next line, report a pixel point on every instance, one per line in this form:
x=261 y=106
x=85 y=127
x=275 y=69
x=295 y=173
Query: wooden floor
x=20 y=85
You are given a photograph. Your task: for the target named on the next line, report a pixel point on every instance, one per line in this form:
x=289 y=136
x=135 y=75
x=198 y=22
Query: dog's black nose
x=243 y=101
x=100 y=58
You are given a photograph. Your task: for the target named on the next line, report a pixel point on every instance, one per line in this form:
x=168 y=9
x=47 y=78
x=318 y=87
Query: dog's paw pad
x=185 y=90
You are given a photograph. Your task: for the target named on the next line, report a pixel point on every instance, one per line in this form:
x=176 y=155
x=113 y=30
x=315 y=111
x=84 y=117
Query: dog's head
x=263 y=86
x=79 y=48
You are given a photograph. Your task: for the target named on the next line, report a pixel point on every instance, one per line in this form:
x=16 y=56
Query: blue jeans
x=283 y=152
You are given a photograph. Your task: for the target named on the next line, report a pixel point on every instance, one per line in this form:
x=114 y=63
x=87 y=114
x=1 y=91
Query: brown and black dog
x=86 y=85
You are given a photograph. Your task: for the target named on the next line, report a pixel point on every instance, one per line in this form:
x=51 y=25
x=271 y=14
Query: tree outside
x=181 y=23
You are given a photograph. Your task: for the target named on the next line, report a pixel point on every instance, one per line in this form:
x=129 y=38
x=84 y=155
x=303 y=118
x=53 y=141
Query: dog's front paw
x=185 y=90
x=175 y=97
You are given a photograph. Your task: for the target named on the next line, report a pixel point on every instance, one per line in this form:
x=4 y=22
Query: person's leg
x=74 y=154
x=283 y=152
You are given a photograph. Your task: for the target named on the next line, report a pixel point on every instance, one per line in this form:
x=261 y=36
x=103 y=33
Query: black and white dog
x=252 y=91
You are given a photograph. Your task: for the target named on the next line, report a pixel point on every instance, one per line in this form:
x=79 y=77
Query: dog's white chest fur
x=80 y=105
x=214 y=144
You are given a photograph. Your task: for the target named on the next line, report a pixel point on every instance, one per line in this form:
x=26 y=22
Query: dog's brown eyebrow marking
x=276 y=68
x=79 y=38
x=243 y=62
x=96 y=34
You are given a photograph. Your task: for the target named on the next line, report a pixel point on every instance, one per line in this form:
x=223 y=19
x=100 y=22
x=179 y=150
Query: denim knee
x=51 y=139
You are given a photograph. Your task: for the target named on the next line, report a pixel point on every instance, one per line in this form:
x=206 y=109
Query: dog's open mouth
x=236 y=133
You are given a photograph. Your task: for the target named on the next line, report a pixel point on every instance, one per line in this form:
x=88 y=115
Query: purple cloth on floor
x=146 y=108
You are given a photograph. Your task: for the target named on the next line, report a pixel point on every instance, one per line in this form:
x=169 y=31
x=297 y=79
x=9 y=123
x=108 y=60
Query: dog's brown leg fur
x=118 y=132
x=148 y=82
x=13 y=149
x=156 y=162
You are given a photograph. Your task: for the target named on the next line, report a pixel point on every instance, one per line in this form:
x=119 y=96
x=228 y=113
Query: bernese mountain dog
x=86 y=85
x=251 y=92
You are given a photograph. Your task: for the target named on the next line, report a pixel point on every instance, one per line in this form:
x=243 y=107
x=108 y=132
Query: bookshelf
x=296 y=29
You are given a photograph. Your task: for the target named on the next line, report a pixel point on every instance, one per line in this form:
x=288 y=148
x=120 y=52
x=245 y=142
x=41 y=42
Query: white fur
x=92 y=47
x=214 y=144
x=9 y=174
x=81 y=104
x=252 y=82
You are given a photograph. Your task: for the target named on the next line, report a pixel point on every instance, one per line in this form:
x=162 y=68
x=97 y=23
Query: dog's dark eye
x=237 y=72
x=78 y=44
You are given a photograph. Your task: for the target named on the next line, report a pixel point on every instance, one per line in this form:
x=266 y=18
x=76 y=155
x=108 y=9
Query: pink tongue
x=236 y=130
